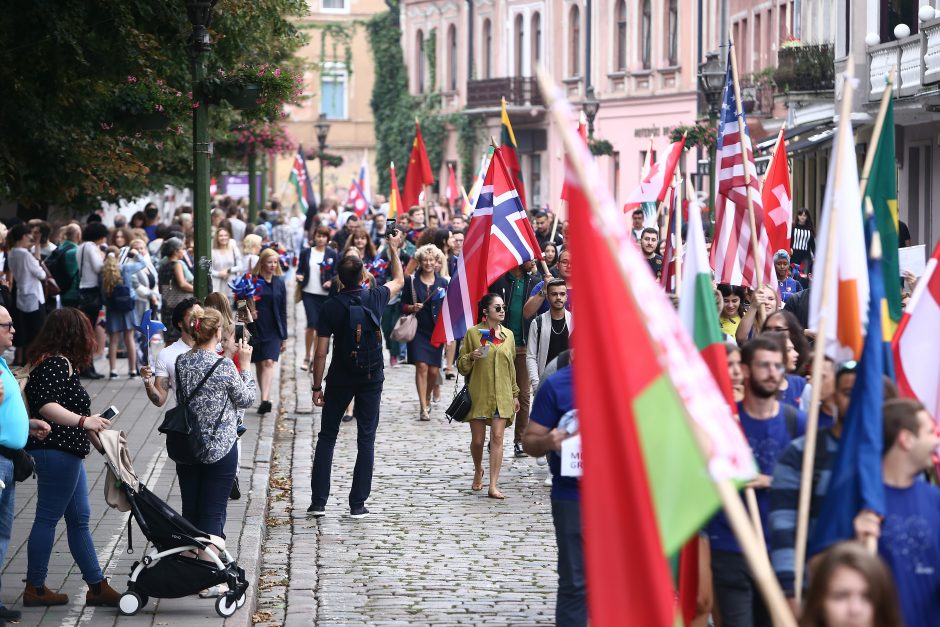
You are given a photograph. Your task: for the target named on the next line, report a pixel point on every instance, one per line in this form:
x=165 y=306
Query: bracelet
x=81 y=422
x=316 y=388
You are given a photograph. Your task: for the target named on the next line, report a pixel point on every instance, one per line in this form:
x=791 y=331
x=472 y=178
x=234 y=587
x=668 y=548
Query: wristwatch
x=316 y=388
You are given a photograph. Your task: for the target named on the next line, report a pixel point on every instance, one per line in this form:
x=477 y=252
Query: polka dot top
x=49 y=382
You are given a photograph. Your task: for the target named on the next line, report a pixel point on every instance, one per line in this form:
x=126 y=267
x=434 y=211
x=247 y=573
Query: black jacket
x=330 y=257
x=503 y=287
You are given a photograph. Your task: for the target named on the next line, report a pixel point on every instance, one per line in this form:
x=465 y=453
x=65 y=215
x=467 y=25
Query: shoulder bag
x=406 y=327
x=180 y=423
x=459 y=407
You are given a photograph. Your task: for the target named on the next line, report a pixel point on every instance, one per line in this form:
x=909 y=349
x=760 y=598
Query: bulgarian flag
x=648 y=408
x=394 y=196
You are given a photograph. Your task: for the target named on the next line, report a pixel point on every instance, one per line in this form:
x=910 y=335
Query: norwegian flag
x=356 y=198
x=498 y=239
x=732 y=254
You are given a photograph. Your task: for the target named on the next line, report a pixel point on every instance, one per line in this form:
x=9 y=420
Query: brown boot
x=106 y=595
x=42 y=596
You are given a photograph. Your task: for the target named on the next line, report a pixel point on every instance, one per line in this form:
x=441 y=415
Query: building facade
x=639 y=56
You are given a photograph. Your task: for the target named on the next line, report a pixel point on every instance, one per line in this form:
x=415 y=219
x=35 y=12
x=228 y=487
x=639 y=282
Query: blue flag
x=856 y=482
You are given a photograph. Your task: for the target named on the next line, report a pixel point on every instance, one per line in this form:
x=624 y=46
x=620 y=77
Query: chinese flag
x=419 y=171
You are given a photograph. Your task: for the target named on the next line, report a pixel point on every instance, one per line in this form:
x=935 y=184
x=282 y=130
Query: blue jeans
x=7 y=506
x=62 y=490
x=366 y=411
x=571 y=605
x=204 y=490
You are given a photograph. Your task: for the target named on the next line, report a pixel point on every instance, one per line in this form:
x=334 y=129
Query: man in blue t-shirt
x=909 y=534
x=768 y=430
x=15 y=426
x=552 y=419
x=347 y=382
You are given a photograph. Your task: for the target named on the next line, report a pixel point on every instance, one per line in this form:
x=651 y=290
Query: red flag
x=419 y=171
x=510 y=153
x=582 y=131
x=452 y=193
x=655 y=184
x=777 y=199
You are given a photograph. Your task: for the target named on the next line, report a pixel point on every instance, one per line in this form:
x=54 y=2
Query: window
x=647 y=34
x=621 y=63
x=534 y=184
x=672 y=52
x=487 y=49
x=420 y=62
x=574 y=41
x=452 y=58
x=334 y=6
x=333 y=83
x=518 y=35
x=536 y=39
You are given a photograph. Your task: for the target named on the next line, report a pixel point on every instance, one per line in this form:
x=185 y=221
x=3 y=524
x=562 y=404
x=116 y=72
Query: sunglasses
x=499 y=307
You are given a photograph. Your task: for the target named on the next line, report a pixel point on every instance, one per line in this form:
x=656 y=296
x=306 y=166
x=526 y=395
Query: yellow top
x=492 y=384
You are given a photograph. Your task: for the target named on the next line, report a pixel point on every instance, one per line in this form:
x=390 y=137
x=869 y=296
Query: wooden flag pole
x=753 y=548
x=755 y=249
x=876 y=133
x=554 y=228
x=809 y=449
x=678 y=251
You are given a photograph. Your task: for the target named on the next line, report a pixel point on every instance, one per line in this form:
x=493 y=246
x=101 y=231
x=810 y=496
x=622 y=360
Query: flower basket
x=153 y=121
x=259 y=91
x=244 y=96
x=146 y=105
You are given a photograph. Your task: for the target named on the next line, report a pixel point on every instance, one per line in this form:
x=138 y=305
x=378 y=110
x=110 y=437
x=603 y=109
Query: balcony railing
x=805 y=69
x=517 y=90
x=915 y=61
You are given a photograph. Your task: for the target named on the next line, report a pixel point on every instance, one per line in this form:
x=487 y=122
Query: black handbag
x=24 y=466
x=179 y=423
x=460 y=405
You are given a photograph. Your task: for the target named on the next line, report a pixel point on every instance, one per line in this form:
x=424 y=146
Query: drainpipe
x=588 y=23
x=469 y=40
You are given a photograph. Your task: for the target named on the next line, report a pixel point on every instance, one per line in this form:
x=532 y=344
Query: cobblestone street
x=432 y=552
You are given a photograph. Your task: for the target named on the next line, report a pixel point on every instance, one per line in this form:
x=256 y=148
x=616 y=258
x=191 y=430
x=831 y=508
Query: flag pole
x=753 y=548
x=677 y=181
x=773 y=156
x=809 y=449
x=755 y=249
x=876 y=132
x=554 y=226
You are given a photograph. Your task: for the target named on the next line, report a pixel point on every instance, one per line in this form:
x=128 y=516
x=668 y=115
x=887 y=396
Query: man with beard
x=649 y=242
x=764 y=422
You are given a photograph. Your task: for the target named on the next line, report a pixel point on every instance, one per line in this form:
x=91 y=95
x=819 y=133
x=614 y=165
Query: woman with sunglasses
x=803 y=240
x=487 y=360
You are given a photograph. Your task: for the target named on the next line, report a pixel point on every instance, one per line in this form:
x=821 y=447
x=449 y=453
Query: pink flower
x=195 y=104
x=132 y=79
x=105 y=126
x=158 y=107
x=277 y=72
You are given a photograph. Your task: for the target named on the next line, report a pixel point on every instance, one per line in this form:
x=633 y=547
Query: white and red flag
x=655 y=184
x=777 y=198
x=732 y=254
x=356 y=198
x=916 y=344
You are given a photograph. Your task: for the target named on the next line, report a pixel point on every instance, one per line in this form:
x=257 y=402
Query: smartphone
x=110 y=413
x=239 y=331
x=391 y=228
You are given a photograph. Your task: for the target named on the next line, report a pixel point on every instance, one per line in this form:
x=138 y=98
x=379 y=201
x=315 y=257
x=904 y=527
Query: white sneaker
x=548 y=480
x=541 y=460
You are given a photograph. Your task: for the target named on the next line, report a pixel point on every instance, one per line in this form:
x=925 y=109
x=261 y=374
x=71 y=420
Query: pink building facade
x=643 y=66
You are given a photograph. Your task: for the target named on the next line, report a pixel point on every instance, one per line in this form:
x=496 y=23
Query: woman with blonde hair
x=761 y=303
x=271 y=322
x=251 y=248
x=423 y=296
x=120 y=305
x=226 y=261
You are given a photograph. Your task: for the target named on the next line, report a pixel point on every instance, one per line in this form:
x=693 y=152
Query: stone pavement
x=139 y=419
x=432 y=552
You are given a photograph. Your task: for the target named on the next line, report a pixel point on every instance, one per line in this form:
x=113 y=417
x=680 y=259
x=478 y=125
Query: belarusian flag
x=882 y=190
x=510 y=153
x=394 y=196
x=644 y=398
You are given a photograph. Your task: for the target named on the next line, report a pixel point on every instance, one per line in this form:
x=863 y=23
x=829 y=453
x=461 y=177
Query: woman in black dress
x=423 y=296
x=803 y=241
x=271 y=323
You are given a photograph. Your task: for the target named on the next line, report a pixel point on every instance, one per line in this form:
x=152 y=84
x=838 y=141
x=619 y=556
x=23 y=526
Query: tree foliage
x=61 y=63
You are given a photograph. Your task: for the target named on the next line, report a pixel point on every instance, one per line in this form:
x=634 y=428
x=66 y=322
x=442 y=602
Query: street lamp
x=711 y=80
x=323 y=129
x=591 y=105
x=200 y=15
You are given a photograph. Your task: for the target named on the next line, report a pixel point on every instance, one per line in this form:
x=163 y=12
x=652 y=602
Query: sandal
x=477 y=484
x=305 y=365
x=495 y=494
x=425 y=415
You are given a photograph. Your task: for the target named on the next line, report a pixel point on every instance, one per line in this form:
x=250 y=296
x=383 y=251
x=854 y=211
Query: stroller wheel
x=240 y=601
x=130 y=603
x=222 y=607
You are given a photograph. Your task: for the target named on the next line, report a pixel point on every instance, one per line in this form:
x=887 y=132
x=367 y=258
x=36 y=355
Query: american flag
x=732 y=255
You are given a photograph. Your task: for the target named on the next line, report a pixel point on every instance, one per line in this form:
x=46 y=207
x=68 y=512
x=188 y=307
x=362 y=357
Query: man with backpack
x=63 y=266
x=354 y=319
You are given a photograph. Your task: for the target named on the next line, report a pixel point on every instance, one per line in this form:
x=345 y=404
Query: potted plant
x=146 y=105
x=260 y=91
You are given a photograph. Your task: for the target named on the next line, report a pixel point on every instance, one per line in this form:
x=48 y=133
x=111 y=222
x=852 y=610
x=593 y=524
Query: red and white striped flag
x=655 y=184
x=732 y=254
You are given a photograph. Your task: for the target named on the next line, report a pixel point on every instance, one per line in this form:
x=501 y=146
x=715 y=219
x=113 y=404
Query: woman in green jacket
x=487 y=361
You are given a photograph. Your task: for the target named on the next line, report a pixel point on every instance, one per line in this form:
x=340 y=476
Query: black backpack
x=362 y=337
x=56 y=265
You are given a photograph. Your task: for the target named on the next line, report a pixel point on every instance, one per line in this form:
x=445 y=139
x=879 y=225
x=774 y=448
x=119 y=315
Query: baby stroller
x=169 y=570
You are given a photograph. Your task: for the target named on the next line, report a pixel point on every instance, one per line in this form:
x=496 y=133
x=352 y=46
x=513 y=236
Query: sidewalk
x=432 y=552
x=139 y=419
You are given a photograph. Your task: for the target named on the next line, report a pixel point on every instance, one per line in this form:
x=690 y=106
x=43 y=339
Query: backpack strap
x=179 y=386
x=790 y=415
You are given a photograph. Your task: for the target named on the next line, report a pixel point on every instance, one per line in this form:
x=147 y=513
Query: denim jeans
x=736 y=595
x=7 y=506
x=62 y=490
x=204 y=490
x=366 y=411
x=571 y=605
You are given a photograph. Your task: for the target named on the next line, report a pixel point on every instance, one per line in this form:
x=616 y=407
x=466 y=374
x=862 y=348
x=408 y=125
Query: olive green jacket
x=492 y=379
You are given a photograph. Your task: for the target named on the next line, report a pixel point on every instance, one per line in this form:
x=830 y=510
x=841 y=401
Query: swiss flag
x=777 y=199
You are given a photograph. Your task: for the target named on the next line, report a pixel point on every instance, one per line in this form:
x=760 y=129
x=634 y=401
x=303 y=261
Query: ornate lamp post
x=711 y=80
x=200 y=15
x=591 y=105
x=323 y=129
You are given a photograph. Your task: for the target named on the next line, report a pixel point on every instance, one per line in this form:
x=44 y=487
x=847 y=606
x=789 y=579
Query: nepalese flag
x=732 y=254
x=356 y=198
x=499 y=238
